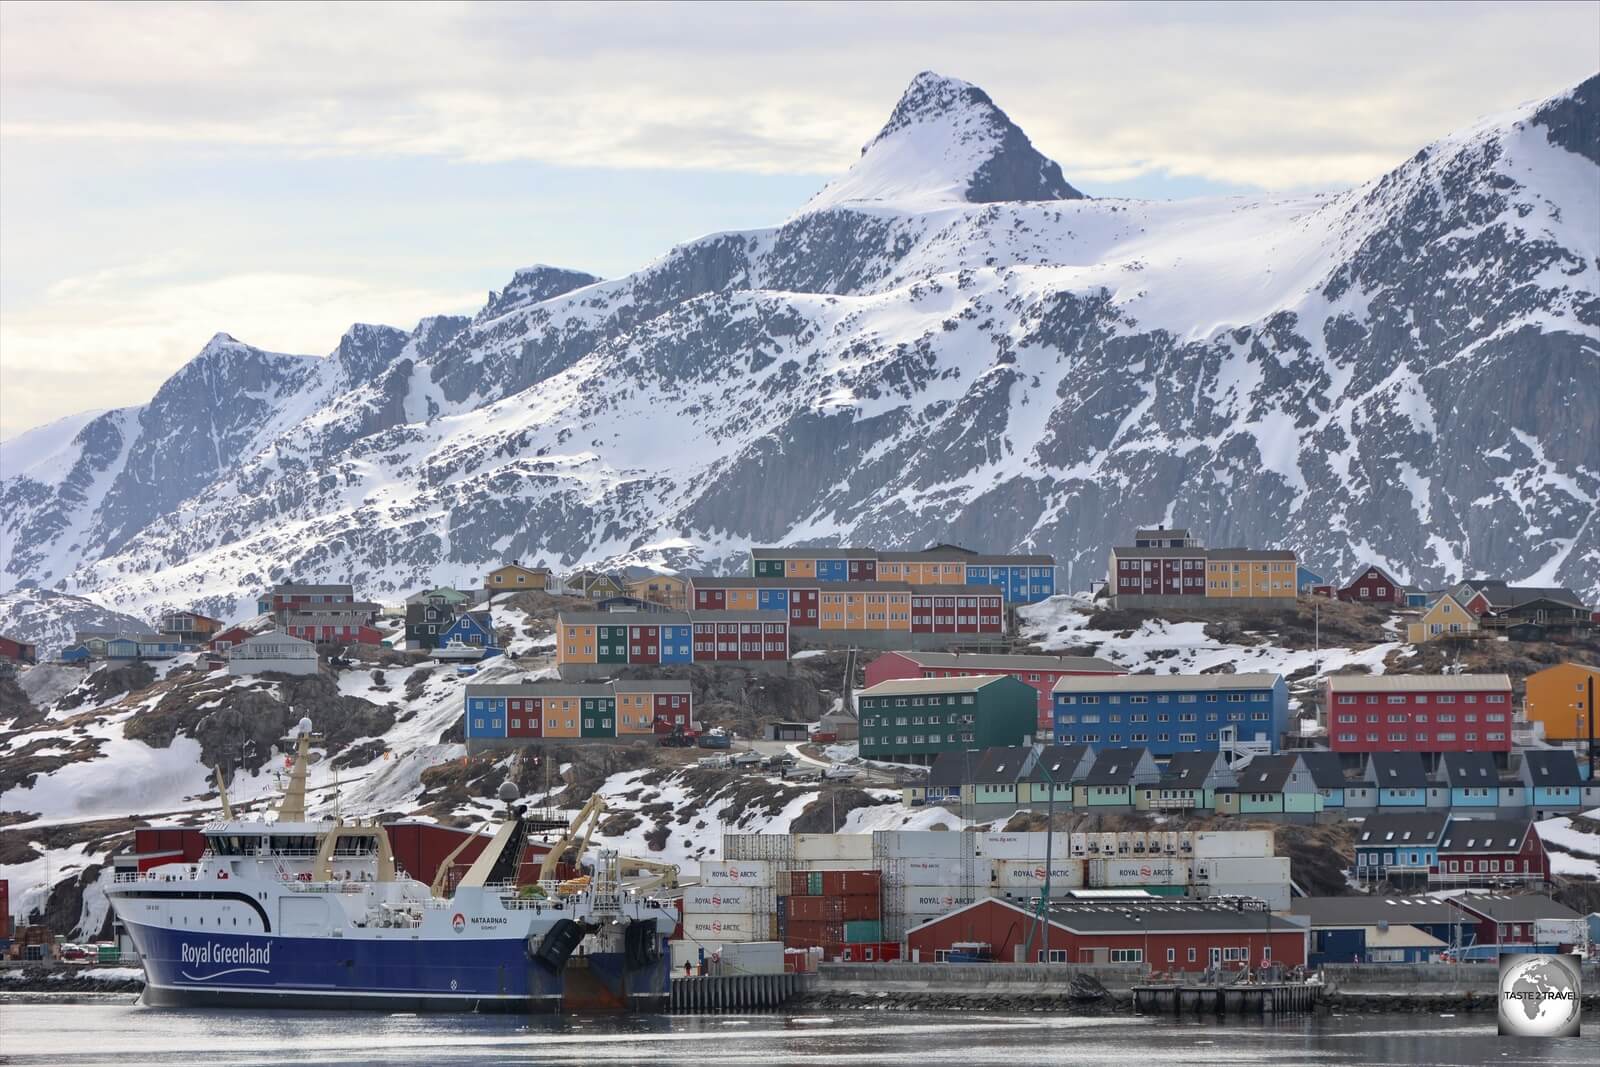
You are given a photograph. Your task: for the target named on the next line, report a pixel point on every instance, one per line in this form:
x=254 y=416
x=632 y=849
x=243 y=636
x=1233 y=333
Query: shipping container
x=1262 y=869
x=736 y=872
x=751 y=957
x=1065 y=874
x=934 y=871
x=856 y=847
x=757 y=847
x=923 y=901
x=852 y=883
x=749 y=899
x=803 y=934
x=831 y=909
x=1232 y=844
x=863 y=930
x=1559 y=931
x=1024 y=846
x=922 y=843
x=1152 y=870
x=5 y=908
x=726 y=928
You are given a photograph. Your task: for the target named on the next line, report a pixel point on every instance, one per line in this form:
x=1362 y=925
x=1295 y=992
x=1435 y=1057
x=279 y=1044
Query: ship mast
x=292 y=808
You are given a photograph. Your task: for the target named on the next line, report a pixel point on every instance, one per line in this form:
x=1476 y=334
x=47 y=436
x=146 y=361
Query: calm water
x=117 y=1031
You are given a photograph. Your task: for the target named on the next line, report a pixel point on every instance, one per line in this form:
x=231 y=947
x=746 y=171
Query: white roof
x=1416 y=683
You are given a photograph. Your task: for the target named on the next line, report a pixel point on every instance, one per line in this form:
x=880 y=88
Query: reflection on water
x=117 y=1032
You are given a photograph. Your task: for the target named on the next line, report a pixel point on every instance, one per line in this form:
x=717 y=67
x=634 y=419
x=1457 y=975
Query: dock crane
x=665 y=874
x=575 y=838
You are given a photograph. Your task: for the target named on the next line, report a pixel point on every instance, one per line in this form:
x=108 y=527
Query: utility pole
x=1041 y=916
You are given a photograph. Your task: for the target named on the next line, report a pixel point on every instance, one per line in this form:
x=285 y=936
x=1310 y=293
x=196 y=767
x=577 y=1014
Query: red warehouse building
x=1489 y=852
x=1374 y=585
x=1503 y=919
x=1419 y=713
x=1039 y=672
x=1164 y=934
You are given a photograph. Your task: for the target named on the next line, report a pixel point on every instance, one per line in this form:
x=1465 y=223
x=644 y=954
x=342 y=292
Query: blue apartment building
x=1171 y=713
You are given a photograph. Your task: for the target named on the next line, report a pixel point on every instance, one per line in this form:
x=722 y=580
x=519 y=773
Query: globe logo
x=1540 y=995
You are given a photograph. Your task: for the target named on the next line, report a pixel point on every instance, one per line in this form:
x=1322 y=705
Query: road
x=867 y=775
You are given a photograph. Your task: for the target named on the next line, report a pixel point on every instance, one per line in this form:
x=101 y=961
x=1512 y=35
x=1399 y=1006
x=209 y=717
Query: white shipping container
x=736 y=872
x=757 y=847
x=922 y=901
x=921 y=843
x=751 y=957
x=726 y=928
x=934 y=871
x=1560 y=931
x=828 y=865
x=723 y=900
x=1151 y=870
x=1260 y=869
x=855 y=847
x=1232 y=844
x=1029 y=874
x=1023 y=846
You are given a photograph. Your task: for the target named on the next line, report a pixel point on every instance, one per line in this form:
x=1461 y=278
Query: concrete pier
x=1270 y=998
x=734 y=993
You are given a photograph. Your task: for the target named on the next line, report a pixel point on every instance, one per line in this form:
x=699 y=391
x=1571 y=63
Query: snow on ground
x=1063 y=622
x=897 y=816
x=1562 y=840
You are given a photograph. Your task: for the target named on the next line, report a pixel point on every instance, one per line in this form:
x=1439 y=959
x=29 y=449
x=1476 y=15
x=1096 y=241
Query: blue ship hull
x=194 y=968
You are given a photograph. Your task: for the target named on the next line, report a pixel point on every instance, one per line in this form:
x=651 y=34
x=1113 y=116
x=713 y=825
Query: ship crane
x=665 y=875
x=575 y=839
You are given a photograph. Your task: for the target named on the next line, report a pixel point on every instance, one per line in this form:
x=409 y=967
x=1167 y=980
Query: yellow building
x=635 y=713
x=562 y=717
x=576 y=643
x=1562 y=697
x=668 y=590
x=515 y=577
x=1243 y=572
x=1444 y=618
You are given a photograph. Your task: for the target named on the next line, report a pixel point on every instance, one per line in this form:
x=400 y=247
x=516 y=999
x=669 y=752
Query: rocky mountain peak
x=947 y=141
x=534 y=285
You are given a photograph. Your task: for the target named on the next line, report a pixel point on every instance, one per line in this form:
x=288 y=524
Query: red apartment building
x=1419 y=713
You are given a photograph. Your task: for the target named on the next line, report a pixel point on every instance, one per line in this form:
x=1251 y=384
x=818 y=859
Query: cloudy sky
x=278 y=172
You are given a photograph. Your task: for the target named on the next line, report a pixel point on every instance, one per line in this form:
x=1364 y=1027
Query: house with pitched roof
x=1362 y=928
x=1189 y=782
x=1474 y=780
x=995 y=775
x=1374 y=585
x=1272 y=786
x=1114 y=778
x=1444 y=617
x=1340 y=792
x=1489 y=852
x=1403 y=782
x=1554 y=785
x=1392 y=846
x=1060 y=764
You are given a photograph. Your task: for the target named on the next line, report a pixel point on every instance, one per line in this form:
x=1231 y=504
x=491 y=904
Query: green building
x=913 y=720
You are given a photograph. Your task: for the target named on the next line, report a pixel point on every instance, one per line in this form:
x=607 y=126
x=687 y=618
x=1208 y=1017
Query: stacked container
x=830 y=909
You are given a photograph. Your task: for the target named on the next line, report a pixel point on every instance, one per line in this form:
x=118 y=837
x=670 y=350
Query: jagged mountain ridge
x=903 y=361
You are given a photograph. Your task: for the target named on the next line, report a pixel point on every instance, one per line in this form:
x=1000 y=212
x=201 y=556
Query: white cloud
x=101 y=342
x=1270 y=96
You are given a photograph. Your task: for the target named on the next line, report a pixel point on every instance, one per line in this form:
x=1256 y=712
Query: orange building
x=1563 y=698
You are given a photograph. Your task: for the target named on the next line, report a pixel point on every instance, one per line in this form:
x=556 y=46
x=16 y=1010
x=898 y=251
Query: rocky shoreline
x=72 y=980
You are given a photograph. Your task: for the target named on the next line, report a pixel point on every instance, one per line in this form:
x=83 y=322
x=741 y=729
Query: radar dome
x=509 y=791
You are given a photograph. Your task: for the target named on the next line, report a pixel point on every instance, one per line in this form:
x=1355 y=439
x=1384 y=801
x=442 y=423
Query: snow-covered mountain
x=49 y=619
x=949 y=342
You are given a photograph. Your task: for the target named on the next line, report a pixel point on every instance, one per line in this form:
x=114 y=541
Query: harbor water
x=116 y=1031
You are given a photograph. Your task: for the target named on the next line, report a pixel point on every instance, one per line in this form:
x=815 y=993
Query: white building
x=273 y=651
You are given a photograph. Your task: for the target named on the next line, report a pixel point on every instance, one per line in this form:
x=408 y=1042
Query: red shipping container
x=852 y=883
x=870 y=952
x=5 y=907
x=803 y=934
x=815 y=909
x=860 y=907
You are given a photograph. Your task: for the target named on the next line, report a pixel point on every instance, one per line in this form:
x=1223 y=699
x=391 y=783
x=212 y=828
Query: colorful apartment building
x=1153 y=574
x=291 y=595
x=1039 y=672
x=1021 y=579
x=858 y=606
x=1170 y=713
x=913 y=720
x=1419 y=713
x=530 y=711
x=1562 y=698
x=657 y=637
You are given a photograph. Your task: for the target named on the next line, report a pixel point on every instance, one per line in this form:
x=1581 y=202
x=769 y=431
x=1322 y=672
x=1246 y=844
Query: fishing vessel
x=291 y=912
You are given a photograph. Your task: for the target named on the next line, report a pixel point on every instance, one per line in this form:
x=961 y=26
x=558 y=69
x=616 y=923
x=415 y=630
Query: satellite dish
x=509 y=791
